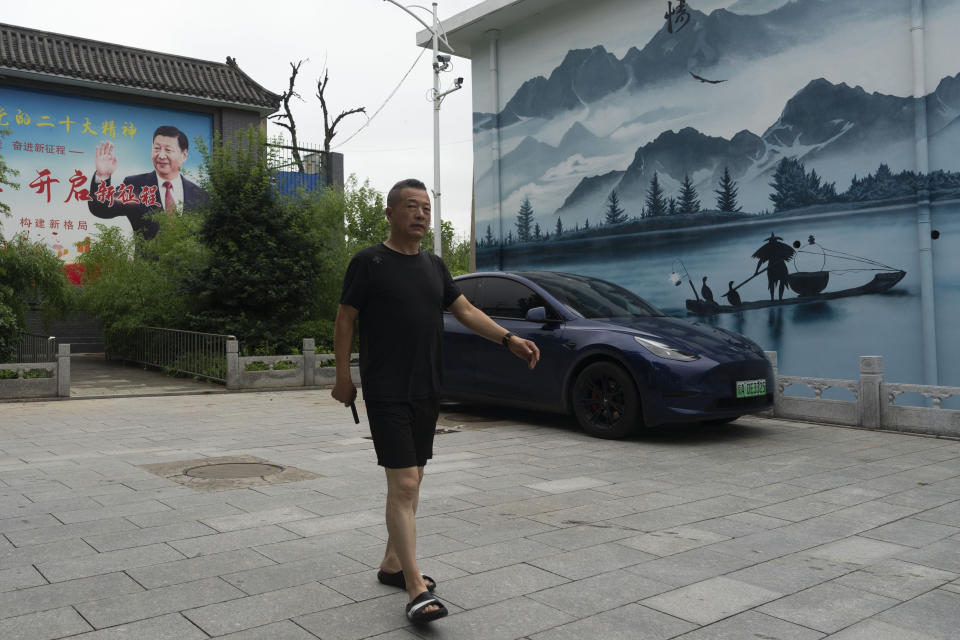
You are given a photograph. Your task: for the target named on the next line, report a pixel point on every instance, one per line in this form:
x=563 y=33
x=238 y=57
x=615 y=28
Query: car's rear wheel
x=605 y=401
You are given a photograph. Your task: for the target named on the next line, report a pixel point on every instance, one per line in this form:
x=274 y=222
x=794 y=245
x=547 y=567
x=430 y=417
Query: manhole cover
x=233 y=470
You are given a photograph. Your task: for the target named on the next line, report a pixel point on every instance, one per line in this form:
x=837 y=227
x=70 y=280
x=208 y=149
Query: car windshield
x=593 y=298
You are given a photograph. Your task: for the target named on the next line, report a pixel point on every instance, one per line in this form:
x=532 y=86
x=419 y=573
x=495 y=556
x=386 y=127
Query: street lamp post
x=440 y=63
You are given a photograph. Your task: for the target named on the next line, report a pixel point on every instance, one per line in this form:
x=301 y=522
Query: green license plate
x=751 y=388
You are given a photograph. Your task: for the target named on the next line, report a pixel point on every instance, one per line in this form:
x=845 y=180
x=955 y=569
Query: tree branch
x=290 y=125
x=330 y=129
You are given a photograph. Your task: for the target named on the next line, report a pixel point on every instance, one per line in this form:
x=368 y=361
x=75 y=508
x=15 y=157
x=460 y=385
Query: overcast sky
x=368 y=45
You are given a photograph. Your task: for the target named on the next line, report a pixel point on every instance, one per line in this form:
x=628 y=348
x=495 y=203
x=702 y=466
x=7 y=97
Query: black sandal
x=397 y=580
x=415 y=609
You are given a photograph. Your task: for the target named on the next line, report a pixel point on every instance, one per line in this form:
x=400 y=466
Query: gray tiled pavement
x=762 y=528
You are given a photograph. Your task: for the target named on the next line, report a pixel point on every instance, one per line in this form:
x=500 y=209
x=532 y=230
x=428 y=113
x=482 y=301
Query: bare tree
x=287 y=115
x=330 y=128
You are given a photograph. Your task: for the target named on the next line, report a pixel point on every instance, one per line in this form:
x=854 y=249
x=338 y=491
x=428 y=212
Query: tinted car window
x=593 y=298
x=470 y=288
x=503 y=298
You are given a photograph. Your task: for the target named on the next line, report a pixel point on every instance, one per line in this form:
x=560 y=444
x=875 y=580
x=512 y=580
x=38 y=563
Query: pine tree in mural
x=614 y=213
x=489 y=237
x=727 y=194
x=688 y=197
x=656 y=204
x=586 y=223
x=524 y=220
x=672 y=207
x=536 y=231
x=510 y=237
x=559 y=227
x=793 y=187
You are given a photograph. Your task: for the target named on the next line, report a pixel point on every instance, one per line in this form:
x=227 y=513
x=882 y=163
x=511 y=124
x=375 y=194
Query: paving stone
x=180 y=571
x=792 y=573
x=670 y=541
x=936 y=613
x=37 y=521
x=285 y=630
x=943 y=554
x=911 y=532
x=481 y=589
x=828 y=607
x=258 y=610
x=69 y=531
x=44 y=625
x=220 y=542
x=339 y=541
x=494 y=556
x=169 y=627
x=100 y=513
x=711 y=600
x=316 y=569
x=567 y=484
x=108 y=562
x=589 y=561
x=360 y=619
x=751 y=624
x=61 y=594
x=143 y=537
x=690 y=566
x=897 y=579
x=577 y=537
x=20 y=578
x=630 y=622
x=49 y=552
x=258 y=518
x=599 y=593
x=857 y=550
x=109 y=612
x=876 y=630
x=514 y=618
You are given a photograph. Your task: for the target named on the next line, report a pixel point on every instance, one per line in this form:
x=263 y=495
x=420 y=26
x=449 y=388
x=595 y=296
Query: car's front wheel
x=605 y=401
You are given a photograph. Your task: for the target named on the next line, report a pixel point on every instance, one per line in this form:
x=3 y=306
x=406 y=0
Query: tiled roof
x=44 y=53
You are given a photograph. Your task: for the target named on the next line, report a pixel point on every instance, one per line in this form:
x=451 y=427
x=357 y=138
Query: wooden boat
x=881 y=282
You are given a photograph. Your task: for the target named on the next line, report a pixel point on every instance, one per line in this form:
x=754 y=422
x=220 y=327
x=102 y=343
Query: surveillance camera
x=443 y=58
x=458 y=82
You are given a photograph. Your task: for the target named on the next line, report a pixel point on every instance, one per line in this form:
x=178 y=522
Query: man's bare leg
x=391 y=562
x=403 y=490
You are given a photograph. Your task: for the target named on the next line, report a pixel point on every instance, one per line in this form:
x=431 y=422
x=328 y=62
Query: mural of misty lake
x=820 y=338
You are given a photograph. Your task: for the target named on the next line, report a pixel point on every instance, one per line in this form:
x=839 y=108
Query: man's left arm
x=482 y=325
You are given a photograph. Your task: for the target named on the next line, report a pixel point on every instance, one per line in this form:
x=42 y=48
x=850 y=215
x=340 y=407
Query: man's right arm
x=344 y=390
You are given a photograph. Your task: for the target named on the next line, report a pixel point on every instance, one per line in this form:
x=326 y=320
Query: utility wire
x=380 y=108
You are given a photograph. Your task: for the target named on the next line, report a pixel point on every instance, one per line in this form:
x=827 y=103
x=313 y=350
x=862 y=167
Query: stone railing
x=53 y=383
x=303 y=370
x=874 y=404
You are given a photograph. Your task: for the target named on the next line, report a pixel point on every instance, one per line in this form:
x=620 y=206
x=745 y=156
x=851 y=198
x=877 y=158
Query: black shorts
x=403 y=431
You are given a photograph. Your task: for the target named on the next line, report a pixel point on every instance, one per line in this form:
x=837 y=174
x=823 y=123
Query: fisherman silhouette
x=775 y=253
x=705 y=291
x=732 y=296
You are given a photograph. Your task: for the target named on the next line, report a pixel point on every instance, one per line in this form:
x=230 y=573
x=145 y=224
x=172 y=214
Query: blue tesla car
x=606 y=356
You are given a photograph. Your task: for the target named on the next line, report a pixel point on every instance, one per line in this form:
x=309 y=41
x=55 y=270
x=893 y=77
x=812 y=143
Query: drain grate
x=228 y=470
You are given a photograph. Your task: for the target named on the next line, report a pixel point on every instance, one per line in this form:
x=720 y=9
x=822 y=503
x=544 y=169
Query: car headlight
x=664 y=351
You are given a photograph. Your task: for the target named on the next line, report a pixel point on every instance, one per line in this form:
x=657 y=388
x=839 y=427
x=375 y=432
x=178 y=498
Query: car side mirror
x=537 y=314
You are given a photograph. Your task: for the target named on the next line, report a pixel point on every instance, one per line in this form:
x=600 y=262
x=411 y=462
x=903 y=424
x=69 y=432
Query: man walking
x=399 y=294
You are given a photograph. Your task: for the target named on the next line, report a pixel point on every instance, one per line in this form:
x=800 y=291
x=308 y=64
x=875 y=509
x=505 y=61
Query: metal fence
x=190 y=353
x=300 y=167
x=35 y=347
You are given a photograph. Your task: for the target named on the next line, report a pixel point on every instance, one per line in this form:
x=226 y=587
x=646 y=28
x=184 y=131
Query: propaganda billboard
x=85 y=161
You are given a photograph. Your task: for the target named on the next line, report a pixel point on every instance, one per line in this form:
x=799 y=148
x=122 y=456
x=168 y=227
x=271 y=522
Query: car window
x=470 y=288
x=593 y=298
x=503 y=298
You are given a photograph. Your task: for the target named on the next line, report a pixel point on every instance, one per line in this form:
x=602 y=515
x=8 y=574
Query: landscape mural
x=750 y=164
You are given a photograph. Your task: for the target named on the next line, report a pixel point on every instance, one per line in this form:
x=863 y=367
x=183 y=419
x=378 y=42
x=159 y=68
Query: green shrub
x=8 y=374
x=284 y=365
x=36 y=373
x=256 y=366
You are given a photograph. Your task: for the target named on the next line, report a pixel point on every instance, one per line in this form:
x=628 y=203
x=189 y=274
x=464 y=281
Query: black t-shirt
x=401 y=299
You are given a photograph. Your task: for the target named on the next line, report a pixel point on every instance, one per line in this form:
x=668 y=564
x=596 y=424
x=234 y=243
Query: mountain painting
x=763 y=165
